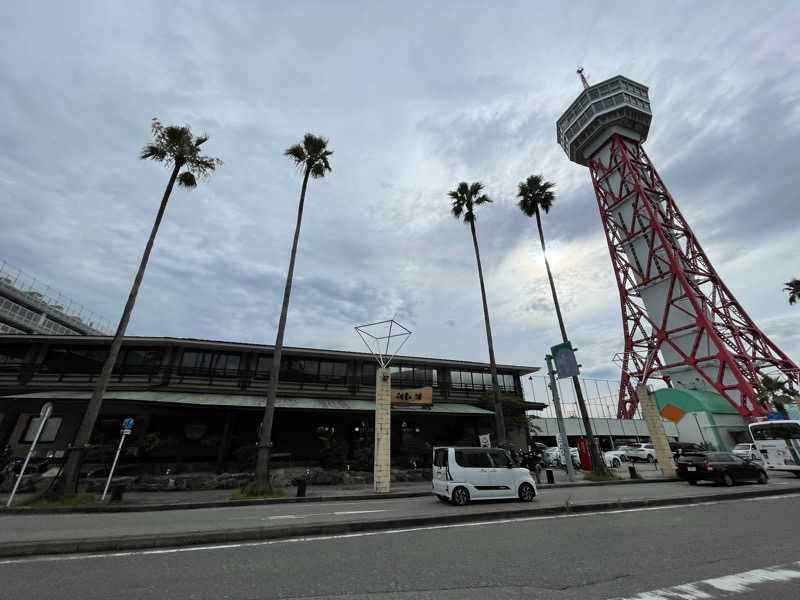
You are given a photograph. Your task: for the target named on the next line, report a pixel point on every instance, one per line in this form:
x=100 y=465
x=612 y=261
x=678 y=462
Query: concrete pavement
x=713 y=550
x=170 y=500
x=54 y=533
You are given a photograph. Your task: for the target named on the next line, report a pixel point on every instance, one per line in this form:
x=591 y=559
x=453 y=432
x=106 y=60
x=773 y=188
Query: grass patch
x=591 y=476
x=42 y=501
x=252 y=491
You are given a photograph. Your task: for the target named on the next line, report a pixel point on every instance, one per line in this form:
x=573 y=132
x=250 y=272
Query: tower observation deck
x=681 y=323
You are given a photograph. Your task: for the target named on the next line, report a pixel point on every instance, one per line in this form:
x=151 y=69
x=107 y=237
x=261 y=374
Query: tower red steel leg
x=652 y=248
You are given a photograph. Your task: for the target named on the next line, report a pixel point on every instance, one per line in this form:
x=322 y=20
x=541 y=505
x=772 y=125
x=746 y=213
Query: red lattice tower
x=681 y=323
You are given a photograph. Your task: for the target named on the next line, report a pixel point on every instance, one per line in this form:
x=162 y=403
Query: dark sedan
x=722 y=467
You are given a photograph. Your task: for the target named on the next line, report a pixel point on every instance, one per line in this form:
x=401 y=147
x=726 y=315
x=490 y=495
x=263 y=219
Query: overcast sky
x=414 y=98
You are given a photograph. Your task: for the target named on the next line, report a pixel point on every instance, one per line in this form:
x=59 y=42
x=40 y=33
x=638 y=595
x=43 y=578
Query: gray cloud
x=410 y=112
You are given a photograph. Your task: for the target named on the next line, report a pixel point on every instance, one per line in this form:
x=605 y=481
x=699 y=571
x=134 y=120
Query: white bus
x=778 y=442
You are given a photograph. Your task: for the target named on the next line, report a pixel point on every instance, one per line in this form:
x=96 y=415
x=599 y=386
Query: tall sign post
x=562 y=430
x=127 y=427
x=44 y=414
x=378 y=337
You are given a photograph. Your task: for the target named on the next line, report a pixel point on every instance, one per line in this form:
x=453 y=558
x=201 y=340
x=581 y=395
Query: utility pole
x=562 y=430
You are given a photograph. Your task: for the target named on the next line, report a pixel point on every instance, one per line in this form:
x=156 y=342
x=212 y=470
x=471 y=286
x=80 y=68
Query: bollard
x=301 y=487
x=632 y=471
x=550 y=477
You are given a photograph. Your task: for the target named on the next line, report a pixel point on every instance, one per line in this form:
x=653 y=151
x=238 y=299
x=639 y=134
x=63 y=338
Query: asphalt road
x=24 y=528
x=601 y=555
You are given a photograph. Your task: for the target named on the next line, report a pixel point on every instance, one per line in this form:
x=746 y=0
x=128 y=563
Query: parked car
x=615 y=458
x=644 y=452
x=721 y=467
x=679 y=448
x=746 y=451
x=464 y=474
x=552 y=457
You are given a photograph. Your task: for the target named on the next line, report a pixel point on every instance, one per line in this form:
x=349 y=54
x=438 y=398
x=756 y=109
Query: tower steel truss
x=698 y=323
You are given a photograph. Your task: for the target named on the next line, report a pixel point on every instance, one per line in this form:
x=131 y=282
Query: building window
x=77 y=360
x=140 y=360
x=264 y=367
x=480 y=380
x=210 y=364
x=332 y=372
x=313 y=371
x=12 y=357
x=368 y=371
x=48 y=433
x=414 y=376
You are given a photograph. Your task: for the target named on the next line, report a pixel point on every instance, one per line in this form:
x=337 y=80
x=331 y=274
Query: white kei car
x=464 y=474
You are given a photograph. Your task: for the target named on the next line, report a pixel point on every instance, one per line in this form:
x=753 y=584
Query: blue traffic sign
x=128 y=423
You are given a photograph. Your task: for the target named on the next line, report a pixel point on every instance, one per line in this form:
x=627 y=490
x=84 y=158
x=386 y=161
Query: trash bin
x=301 y=487
x=117 y=489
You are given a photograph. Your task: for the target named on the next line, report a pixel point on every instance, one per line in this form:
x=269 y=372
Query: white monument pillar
x=382 y=472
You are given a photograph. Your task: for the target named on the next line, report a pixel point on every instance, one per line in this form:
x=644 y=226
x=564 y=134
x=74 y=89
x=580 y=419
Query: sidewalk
x=36 y=534
x=214 y=498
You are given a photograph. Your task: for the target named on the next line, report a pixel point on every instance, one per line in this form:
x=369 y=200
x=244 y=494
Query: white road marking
x=341 y=512
x=720 y=587
x=318 y=538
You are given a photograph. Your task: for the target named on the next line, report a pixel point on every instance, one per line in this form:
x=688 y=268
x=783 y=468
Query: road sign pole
x=45 y=413
x=562 y=430
x=127 y=425
x=114 y=464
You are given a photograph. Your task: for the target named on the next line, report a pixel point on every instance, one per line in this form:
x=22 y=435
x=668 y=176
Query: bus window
x=775 y=431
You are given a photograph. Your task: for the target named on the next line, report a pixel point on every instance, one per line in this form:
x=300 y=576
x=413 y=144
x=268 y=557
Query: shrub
x=251 y=490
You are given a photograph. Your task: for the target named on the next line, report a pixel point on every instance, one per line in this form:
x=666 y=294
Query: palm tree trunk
x=499 y=419
x=69 y=481
x=598 y=466
x=265 y=436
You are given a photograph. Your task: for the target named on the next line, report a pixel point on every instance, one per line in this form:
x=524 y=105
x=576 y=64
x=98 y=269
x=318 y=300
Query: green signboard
x=564 y=357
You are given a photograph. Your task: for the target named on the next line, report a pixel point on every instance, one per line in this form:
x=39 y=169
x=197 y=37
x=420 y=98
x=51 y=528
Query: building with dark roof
x=202 y=400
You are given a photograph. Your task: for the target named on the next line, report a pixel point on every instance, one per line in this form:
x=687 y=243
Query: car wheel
x=692 y=482
x=460 y=496
x=762 y=477
x=526 y=492
x=615 y=463
x=727 y=479
x=650 y=458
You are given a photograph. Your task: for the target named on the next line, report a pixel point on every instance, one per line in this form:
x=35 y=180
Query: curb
x=277 y=533
x=121 y=508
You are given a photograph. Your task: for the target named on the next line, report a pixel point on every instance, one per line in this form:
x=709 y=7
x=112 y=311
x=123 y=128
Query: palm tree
x=773 y=391
x=793 y=287
x=465 y=199
x=175 y=146
x=535 y=196
x=311 y=157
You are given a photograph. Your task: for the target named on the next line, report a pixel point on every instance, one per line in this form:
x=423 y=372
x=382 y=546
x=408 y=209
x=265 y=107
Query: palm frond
x=318 y=170
x=482 y=199
x=793 y=287
x=154 y=152
x=535 y=193
x=200 y=141
x=475 y=189
x=296 y=153
x=187 y=180
x=314 y=145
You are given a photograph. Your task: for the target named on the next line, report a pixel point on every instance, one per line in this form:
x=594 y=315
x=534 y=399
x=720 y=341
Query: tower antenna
x=583 y=77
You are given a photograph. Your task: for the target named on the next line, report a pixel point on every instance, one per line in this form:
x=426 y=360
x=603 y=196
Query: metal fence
x=52 y=300
x=601 y=396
